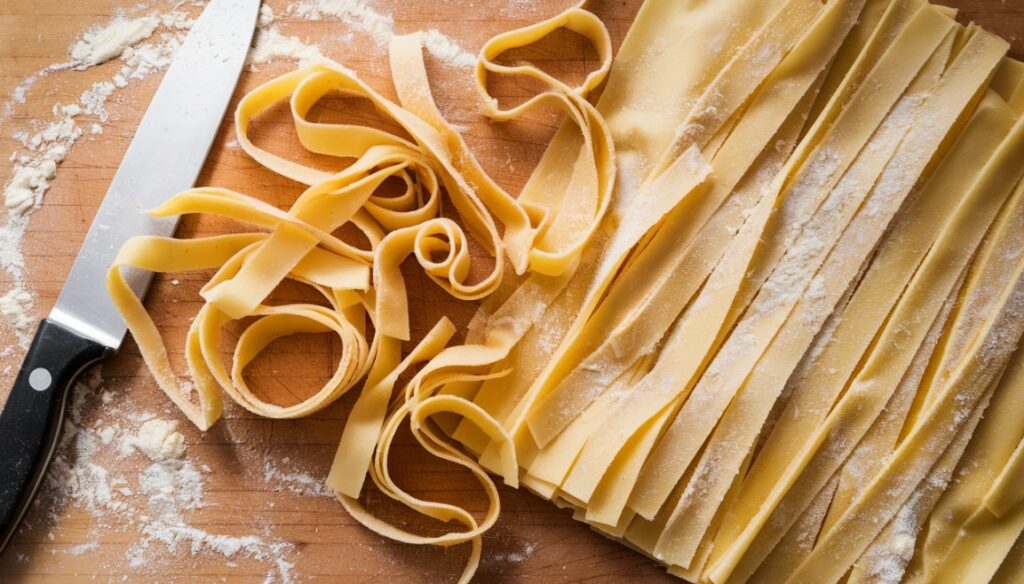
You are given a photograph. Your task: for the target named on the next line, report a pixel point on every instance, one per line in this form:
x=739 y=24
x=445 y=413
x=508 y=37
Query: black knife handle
x=33 y=416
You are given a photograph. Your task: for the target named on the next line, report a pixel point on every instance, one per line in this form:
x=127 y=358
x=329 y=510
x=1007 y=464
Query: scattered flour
x=159 y=440
x=15 y=306
x=447 y=50
x=100 y=46
x=356 y=14
x=77 y=550
x=74 y=476
x=266 y=16
x=513 y=557
x=271 y=45
x=93 y=100
x=300 y=483
x=32 y=172
x=888 y=564
x=18 y=95
x=168 y=488
x=35 y=168
x=198 y=541
x=360 y=17
x=173 y=485
x=107 y=435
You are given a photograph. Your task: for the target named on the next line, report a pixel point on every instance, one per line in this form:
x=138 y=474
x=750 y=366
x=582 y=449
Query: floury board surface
x=261 y=491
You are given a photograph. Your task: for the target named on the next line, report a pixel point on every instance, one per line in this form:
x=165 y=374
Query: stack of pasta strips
x=808 y=371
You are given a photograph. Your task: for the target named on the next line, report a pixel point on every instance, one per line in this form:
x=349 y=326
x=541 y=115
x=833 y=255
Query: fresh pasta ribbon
x=420 y=402
x=586 y=195
x=158 y=254
x=993 y=457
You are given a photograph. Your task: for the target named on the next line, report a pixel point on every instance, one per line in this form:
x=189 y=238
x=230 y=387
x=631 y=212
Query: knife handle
x=33 y=416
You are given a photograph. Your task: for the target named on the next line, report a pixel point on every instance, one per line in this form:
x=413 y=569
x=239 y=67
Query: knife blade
x=165 y=157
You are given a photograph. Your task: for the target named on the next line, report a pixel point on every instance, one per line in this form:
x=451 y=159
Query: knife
x=164 y=157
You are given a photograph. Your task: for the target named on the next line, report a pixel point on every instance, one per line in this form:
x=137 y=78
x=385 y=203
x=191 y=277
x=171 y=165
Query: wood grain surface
x=533 y=541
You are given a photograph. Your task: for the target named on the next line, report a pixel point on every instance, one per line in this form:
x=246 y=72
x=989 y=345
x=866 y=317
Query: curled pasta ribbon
x=587 y=191
x=422 y=399
x=518 y=219
x=317 y=268
x=424 y=164
x=360 y=286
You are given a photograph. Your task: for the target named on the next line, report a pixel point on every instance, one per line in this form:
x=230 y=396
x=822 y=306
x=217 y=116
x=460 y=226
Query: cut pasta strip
x=732 y=286
x=739 y=79
x=882 y=188
x=883 y=370
x=606 y=434
x=362 y=430
x=641 y=326
x=911 y=236
x=636 y=102
x=986 y=455
x=681 y=180
x=891 y=551
x=911 y=461
x=798 y=541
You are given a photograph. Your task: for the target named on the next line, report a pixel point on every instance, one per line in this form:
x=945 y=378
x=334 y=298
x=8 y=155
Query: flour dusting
x=514 y=557
x=160 y=440
x=356 y=14
x=100 y=46
x=271 y=45
x=361 y=17
x=447 y=50
x=298 y=482
x=35 y=167
x=15 y=306
x=155 y=502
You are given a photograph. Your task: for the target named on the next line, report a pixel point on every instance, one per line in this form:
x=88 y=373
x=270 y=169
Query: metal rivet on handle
x=40 y=379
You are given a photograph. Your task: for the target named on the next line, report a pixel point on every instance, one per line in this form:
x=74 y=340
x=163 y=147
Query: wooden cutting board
x=533 y=540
